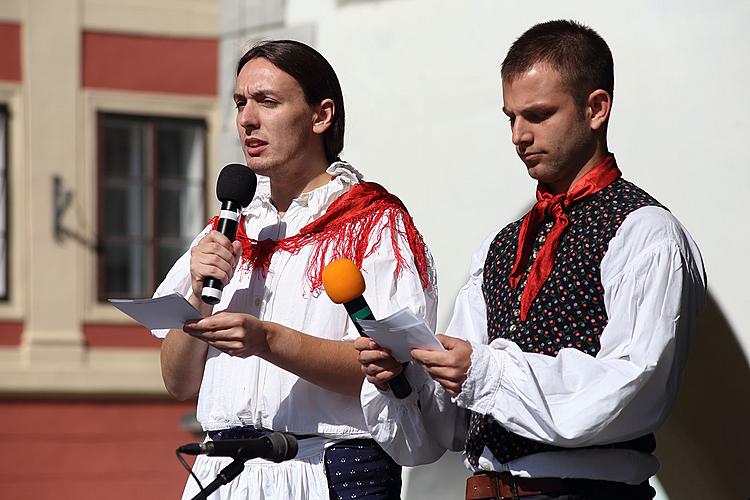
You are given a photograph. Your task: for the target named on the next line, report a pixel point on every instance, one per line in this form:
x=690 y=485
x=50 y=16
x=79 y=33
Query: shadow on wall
x=445 y=479
x=703 y=446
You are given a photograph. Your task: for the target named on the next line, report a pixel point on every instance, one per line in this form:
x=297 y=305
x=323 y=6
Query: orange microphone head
x=342 y=281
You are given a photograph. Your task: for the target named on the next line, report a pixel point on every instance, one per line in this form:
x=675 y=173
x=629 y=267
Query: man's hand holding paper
x=448 y=366
x=390 y=342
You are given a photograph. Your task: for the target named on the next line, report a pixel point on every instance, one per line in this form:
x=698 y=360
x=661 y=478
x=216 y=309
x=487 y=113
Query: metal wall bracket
x=61 y=200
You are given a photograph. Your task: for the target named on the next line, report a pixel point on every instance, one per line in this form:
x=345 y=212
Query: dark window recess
x=4 y=203
x=151 y=202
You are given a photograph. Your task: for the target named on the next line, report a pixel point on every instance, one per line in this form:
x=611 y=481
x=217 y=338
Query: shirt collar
x=317 y=200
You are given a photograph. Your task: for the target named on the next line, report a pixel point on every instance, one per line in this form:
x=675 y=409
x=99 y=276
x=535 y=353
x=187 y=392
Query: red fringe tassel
x=344 y=232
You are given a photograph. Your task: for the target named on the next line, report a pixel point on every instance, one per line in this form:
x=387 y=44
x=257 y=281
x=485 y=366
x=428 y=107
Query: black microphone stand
x=279 y=447
x=225 y=475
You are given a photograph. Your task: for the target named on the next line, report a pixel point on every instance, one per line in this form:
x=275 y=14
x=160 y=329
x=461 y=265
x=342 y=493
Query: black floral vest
x=568 y=310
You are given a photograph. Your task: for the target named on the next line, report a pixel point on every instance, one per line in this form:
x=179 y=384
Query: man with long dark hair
x=275 y=354
x=567 y=344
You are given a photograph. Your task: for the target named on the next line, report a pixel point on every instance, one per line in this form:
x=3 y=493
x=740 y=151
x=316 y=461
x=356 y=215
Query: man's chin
x=258 y=165
x=535 y=170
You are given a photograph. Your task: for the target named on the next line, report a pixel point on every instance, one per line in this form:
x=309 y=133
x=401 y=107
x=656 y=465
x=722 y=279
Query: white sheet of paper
x=169 y=311
x=401 y=332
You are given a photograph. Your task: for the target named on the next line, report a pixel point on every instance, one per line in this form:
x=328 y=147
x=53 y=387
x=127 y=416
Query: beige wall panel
x=62 y=371
x=52 y=83
x=192 y=18
x=10 y=10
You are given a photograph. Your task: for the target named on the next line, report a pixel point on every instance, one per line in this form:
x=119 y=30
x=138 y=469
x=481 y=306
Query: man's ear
x=598 y=107
x=323 y=116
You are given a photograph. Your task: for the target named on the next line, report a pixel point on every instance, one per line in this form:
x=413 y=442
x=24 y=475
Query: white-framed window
x=151 y=202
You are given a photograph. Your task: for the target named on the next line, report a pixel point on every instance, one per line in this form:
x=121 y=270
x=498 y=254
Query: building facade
x=107 y=127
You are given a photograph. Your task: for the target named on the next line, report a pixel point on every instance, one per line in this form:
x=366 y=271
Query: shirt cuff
x=417 y=378
x=482 y=384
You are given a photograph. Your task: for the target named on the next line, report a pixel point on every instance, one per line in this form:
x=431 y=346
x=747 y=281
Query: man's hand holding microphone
x=212 y=264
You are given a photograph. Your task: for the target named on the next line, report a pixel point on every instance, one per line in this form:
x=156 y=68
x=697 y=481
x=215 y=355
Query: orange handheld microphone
x=344 y=284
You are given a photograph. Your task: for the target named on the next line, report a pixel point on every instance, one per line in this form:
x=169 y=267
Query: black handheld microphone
x=276 y=447
x=235 y=189
x=344 y=284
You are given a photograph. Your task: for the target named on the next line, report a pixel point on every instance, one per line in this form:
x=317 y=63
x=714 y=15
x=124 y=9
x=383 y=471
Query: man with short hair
x=567 y=344
x=275 y=354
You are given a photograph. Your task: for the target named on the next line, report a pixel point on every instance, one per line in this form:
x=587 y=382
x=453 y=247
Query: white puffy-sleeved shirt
x=654 y=287
x=238 y=391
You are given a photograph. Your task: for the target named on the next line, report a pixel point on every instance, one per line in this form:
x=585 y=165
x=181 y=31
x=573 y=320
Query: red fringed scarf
x=343 y=232
x=555 y=205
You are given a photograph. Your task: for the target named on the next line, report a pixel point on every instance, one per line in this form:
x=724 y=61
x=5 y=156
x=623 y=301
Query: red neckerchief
x=555 y=205
x=344 y=232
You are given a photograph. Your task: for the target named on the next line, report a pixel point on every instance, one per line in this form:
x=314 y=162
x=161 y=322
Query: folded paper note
x=169 y=311
x=401 y=332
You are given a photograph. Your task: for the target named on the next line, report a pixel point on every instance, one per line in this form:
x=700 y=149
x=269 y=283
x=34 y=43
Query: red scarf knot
x=258 y=254
x=344 y=231
x=555 y=206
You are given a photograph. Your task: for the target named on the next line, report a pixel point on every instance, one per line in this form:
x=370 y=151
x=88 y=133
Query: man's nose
x=248 y=116
x=520 y=133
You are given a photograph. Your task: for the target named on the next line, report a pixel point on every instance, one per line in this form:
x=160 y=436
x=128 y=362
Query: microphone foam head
x=236 y=183
x=342 y=281
x=284 y=446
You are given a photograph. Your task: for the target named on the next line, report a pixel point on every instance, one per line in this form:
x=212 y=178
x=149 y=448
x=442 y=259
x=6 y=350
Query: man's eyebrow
x=537 y=107
x=256 y=93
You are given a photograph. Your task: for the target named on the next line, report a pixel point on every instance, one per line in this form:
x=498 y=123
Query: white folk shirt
x=237 y=391
x=654 y=288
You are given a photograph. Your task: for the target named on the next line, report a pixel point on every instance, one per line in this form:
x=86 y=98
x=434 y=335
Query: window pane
x=124 y=210
x=125 y=270
x=180 y=150
x=125 y=147
x=180 y=211
x=167 y=254
x=180 y=205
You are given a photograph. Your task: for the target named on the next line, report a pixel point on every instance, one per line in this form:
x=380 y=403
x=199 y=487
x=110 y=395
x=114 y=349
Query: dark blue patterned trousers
x=360 y=469
x=356 y=468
